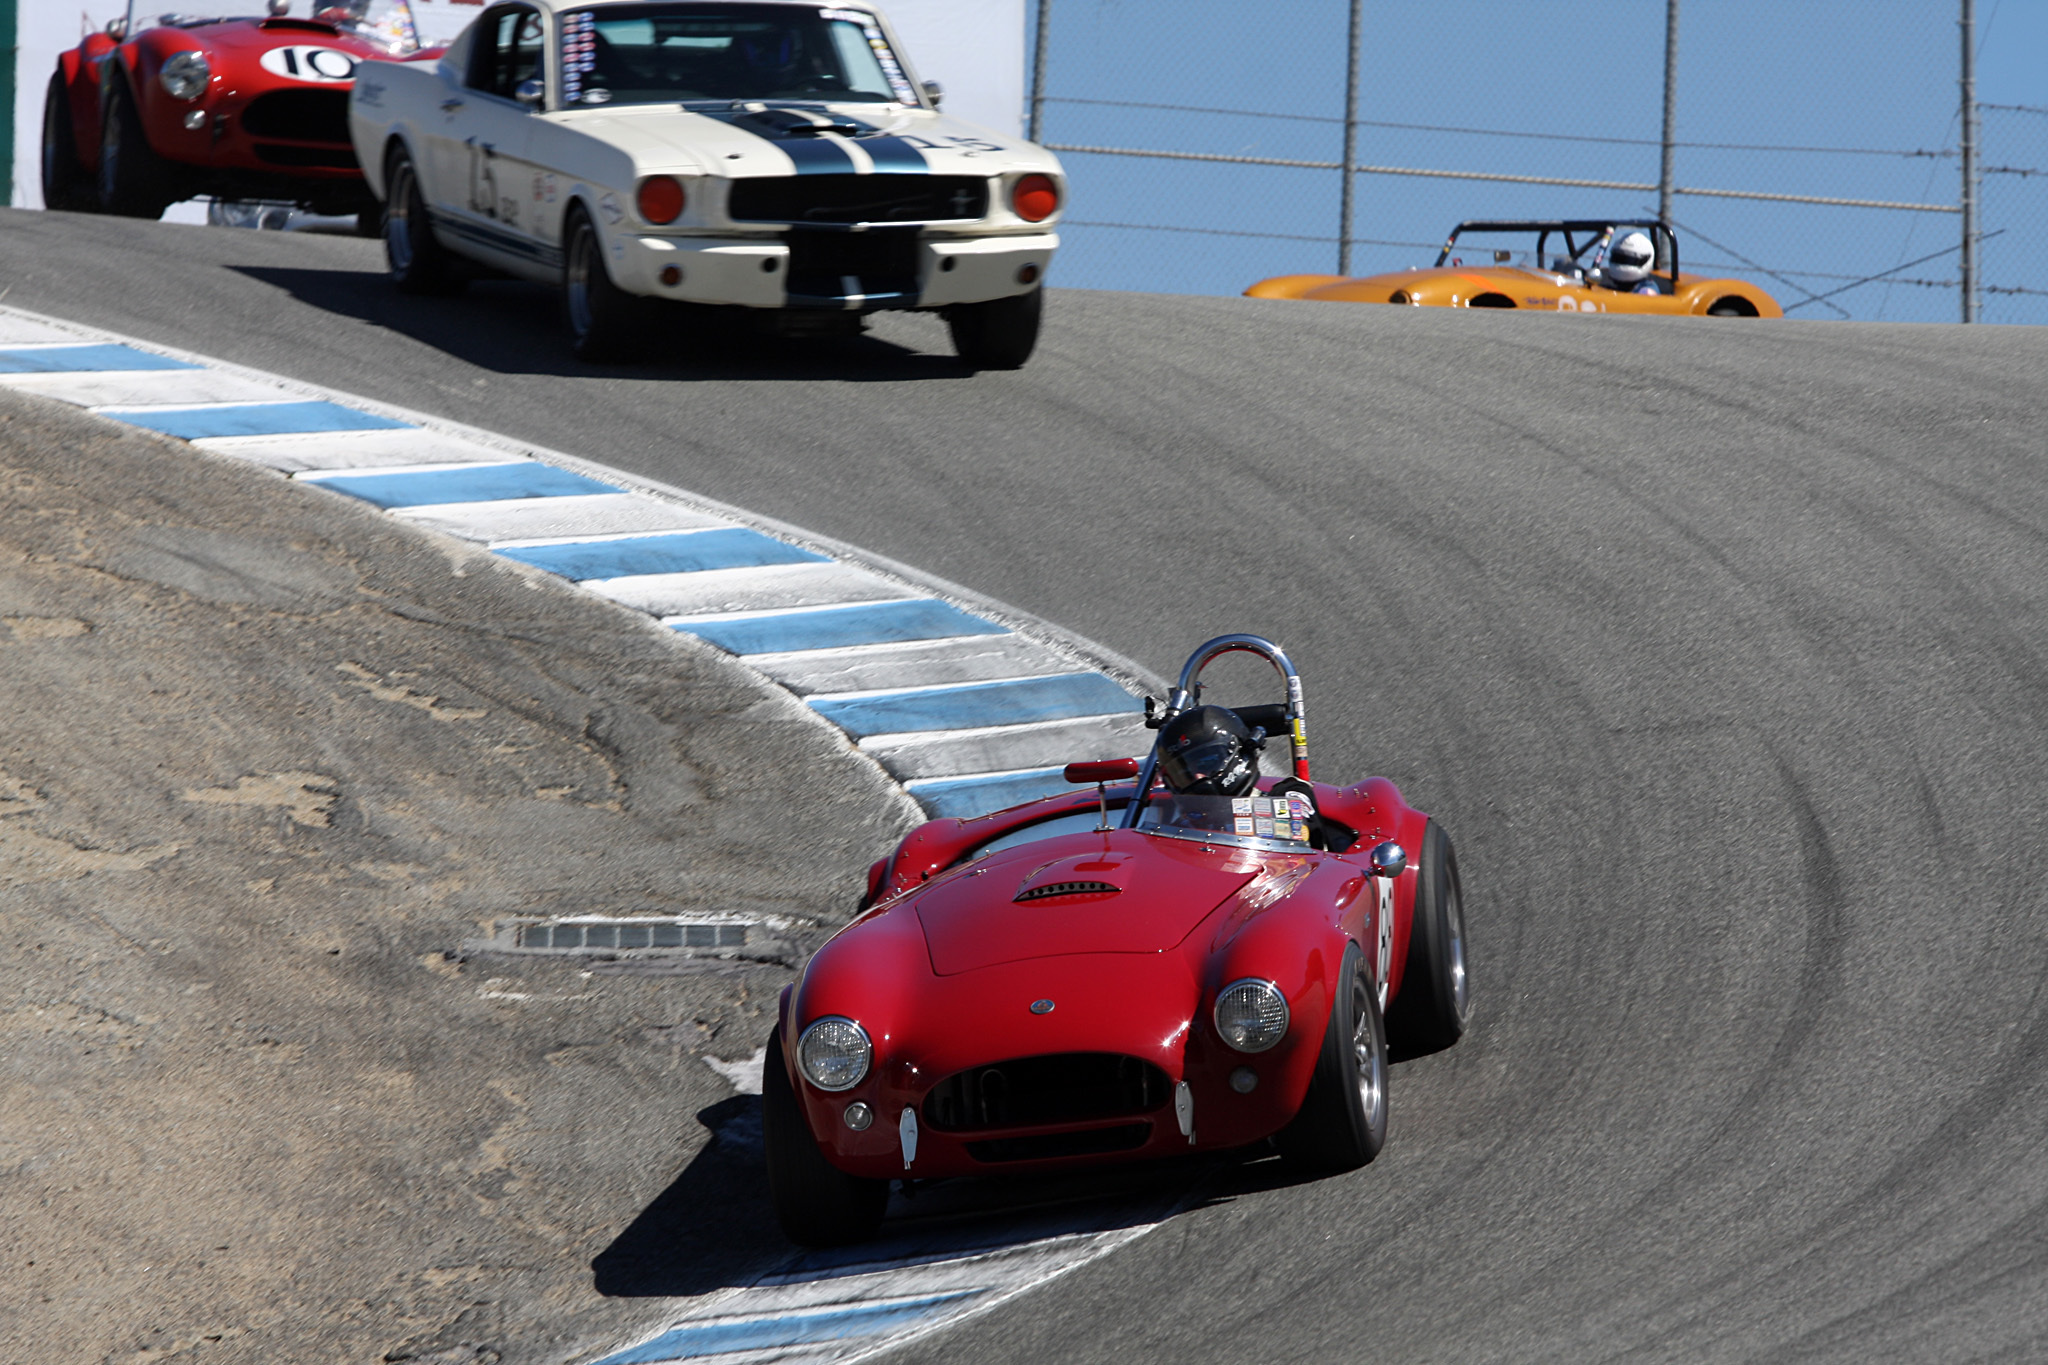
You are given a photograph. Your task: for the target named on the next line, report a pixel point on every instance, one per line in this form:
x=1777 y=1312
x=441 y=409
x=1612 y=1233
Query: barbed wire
x=1498 y=132
x=2014 y=108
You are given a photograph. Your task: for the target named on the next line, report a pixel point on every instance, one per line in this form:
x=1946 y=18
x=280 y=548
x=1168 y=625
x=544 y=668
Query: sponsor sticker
x=1240 y=805
x=1263 y=826
x=1243 y=824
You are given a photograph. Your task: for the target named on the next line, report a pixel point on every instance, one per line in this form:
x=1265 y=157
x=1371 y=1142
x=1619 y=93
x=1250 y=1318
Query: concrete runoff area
x=270 y=762
x=1716 y=645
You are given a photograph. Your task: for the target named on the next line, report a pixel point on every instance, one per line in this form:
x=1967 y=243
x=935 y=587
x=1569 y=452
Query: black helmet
x=1208 y=751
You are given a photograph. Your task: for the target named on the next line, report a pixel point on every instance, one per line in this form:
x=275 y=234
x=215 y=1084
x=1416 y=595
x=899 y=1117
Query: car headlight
x=1251 y=1015
x=186 y=75
x=834 y=1053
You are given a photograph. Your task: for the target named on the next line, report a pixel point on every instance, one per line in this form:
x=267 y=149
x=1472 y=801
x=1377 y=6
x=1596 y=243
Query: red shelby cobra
x=1097 y=978
x=242 y=109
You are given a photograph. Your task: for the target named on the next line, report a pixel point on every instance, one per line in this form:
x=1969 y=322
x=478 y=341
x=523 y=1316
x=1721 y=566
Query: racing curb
x=966 y=703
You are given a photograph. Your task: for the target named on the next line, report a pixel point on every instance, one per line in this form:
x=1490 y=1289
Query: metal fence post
x=1968 y=24
x=1670 y=107
x=1037 y=119
x=1346 y=204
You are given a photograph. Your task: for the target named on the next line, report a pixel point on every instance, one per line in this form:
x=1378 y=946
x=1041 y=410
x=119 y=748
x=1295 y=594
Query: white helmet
x=1630 y=257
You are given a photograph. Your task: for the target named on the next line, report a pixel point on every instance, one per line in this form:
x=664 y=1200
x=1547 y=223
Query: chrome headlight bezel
x=825 y=1041
x=1257 y=1017
x=186 y=75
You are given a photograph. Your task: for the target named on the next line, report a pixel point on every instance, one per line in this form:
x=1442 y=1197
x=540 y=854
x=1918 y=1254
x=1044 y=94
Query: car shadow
x=514 y=327
x=714 y=1228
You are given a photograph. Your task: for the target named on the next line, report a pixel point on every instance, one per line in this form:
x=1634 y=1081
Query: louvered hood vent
x=1051 y=889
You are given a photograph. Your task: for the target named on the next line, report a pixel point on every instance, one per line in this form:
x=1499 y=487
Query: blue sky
x=1872 y=75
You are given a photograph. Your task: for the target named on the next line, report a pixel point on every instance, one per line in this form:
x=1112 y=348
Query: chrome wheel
x=1371 y=1059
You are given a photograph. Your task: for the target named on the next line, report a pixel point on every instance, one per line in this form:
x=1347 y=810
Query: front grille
x=827 y=266
x=301 y=115
x=857 y=199
x=1124 y=1137
x=1029 y=1092
x=272 y=154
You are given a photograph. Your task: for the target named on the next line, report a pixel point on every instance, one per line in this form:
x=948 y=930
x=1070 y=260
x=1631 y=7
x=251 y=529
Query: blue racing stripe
x=85 y=359
x=692 y=1340
x=894 y=156
x=482 y=483
x=253 y=419
x=869 y=623
x=966 y=797
x=1014 y=701
x=731 y=547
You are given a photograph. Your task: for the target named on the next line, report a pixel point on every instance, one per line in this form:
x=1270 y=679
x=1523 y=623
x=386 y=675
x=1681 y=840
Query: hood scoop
x=1093 y=890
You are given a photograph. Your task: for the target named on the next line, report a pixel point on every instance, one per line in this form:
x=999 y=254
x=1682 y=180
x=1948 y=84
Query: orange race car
x=1567 y=266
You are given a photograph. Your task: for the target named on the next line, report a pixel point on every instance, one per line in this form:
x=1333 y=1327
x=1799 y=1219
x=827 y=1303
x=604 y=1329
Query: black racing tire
x=67 y=185
x=413 y=256
x=1342 y=1124
x=999 y=334
x=1732 y=307
x=817 y=1204
x=1435 y=1003
x=604 y=321
x=134 y=181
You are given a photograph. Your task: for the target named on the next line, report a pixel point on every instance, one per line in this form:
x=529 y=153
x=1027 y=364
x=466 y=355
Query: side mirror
x=279 y=8
x=935 y=92
x=1104 y=770
x=529 y=93
x=1389 y=859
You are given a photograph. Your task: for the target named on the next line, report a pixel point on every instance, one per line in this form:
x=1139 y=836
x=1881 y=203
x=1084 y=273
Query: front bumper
x=766 y=272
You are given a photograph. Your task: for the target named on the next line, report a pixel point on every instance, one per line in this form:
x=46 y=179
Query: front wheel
x=419 y=264
x=134 y=181
x=604 y=320
x=999 y=334
x=817 y=1204
x=66 y=185
x=1435 y=1003
x=1343 y=1120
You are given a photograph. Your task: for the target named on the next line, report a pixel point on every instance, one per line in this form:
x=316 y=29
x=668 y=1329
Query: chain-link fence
x=1816 y=154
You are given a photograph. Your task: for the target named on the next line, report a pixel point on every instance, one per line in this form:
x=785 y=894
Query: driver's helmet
x=768 y=53
x=1629 y=258
x=1208 y=751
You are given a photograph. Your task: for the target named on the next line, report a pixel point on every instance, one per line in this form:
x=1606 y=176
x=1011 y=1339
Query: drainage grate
x=617 y=935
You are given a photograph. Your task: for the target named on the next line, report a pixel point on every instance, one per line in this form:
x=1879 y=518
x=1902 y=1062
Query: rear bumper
x=756 y=272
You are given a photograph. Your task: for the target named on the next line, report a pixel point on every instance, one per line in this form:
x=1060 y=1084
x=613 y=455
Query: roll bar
x=1187 y=693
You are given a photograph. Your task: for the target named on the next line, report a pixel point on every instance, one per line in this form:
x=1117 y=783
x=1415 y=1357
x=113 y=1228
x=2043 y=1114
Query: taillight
x=661 y=199
x=1035 y=198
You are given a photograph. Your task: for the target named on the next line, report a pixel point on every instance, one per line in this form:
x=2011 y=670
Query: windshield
x=1246 y=821
x=669 y=53
x=387 y=23
x=1518 y=250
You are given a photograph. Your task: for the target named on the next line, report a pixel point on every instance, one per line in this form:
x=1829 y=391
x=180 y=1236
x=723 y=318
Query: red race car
x=242 y=109
x=1108 y=977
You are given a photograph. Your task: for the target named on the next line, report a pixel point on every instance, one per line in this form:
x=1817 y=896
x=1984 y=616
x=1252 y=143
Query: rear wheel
x=1732 y=307
x=1435 y=1002
x=604 y=321
x=418 y=262
x=999 y=334
x=1343 y=1120
x=134 y=181
x=817 y=1204
x=66 y=185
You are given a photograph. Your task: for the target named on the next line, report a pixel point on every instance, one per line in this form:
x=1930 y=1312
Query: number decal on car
x=321 y=65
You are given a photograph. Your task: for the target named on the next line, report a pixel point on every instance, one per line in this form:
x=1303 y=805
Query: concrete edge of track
x=955 y=747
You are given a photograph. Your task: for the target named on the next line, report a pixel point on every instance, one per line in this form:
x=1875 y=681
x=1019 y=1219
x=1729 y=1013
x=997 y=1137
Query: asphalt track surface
x=1721 y=648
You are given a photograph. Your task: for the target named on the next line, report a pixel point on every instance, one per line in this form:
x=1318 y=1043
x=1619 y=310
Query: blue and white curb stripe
x=969 y=705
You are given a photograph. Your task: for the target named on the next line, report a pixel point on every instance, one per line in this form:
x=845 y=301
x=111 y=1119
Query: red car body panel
x=942 y=971
x=266 y=134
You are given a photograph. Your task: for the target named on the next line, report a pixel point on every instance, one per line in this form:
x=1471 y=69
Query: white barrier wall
x=975 y=48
